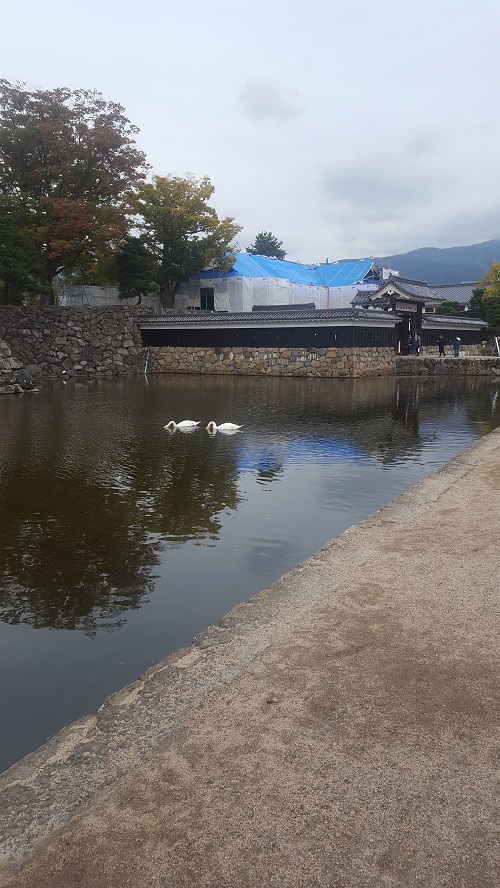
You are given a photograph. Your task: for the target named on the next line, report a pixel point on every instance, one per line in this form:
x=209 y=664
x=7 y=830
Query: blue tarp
x=335 y=274
x=344 y=273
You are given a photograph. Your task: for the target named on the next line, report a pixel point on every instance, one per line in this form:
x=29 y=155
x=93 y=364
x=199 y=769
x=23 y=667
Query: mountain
x=452 y=265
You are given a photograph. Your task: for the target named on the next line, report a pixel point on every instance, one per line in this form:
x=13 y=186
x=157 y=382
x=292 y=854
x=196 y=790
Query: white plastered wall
x=240 y=294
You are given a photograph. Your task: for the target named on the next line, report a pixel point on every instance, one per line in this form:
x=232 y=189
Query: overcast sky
x=348 y=129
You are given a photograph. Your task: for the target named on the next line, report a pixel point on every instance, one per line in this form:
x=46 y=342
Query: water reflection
x=87 y=506
x=94 y=493
x=75 y=554
x=196 y=483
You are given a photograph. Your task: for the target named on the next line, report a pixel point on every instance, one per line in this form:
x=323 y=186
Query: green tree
x=266 y=244
x=448 y=308
x=20 y=266
x=492 y=314
x=476 y=308
x=182 y=232
x=69 y=159
x=135 y=270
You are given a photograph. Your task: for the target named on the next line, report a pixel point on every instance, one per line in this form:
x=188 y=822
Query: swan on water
x=183 y=424
x=223 y=427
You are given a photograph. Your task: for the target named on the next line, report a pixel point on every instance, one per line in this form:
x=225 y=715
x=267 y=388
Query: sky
x=347 y=129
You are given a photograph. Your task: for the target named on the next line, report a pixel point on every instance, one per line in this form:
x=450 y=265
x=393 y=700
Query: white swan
x=223 y=427
x=183 y=424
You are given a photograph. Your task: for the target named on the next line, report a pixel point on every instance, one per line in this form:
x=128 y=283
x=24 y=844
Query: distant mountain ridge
x=451 y=265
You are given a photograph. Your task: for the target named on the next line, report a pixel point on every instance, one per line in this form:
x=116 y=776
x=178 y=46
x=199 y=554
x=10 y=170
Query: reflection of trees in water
x=74 y=555
x=195 y=485
x=92 y=490
x=269 y=471
x=484 y=407
x=82 y=522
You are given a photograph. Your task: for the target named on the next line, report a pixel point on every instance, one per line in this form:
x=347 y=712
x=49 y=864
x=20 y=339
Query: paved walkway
x=340 y=730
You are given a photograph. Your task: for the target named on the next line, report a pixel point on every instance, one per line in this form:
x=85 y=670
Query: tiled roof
x=457 y=322
x=196 y=319
x=406 y=287
x=461 y=293
x=304 y=306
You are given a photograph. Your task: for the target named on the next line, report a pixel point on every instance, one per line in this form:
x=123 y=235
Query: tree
x=490 y=282
x=20 y=267
x=476 y=309
x=182 y=232
x=448 y=308
x=266 y=244
x=489 y=290
x=492 y=314
x=70 y=161
x=135 y=270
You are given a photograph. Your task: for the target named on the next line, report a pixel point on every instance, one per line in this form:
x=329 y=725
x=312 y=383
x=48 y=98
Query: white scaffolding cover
x=241 y=293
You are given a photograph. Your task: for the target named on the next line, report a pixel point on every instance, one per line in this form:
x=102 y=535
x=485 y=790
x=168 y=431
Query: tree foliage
x=266 y=244
x=476 y=309
x=182 y=231
x=490 y=282
x=69 y=161
x=492 y=314
x=448 y=308
x=20 y=266
x=135 y=270
x=486 y=299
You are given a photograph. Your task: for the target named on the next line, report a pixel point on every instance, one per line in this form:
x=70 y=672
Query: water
x=119 y=541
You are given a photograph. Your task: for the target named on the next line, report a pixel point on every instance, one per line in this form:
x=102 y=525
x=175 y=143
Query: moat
x=121 y=541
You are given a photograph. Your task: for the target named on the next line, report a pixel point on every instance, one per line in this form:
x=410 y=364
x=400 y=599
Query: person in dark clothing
x=442 y=352
x=411 y=345
x=456 y=346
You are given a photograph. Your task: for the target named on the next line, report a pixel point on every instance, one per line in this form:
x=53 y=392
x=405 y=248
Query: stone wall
x=337 y=362
x=56 y=342
x=448 y=366
x=92 y=341
x=466 y=351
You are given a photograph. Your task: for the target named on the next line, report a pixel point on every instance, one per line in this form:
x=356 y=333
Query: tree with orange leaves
x=68 y=163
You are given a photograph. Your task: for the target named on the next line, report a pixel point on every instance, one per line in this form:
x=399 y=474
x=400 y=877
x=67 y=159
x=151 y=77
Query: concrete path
x=341 y=729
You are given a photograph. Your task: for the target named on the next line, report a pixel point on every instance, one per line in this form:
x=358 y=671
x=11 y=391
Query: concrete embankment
x=340 y=729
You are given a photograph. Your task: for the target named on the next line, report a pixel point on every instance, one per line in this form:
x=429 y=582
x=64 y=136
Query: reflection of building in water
x=406 y=405
x=359 y=418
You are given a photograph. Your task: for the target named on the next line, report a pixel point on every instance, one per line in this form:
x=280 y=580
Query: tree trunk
x=167 y=297
x=50 y=271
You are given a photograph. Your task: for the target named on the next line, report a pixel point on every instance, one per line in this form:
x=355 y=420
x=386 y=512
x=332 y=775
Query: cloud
x=421 y=142
x=270 y=100
x=382 y=186
x=467 y=226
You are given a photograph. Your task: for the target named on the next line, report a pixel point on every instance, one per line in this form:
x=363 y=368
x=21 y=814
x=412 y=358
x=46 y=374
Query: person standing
x=442 y=352
x=418 y=344
x=456 y=346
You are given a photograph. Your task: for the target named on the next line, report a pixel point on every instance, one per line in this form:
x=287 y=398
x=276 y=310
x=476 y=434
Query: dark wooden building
x=406 y=300
x=309 y=329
